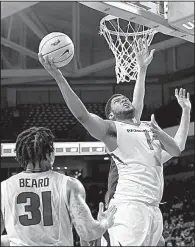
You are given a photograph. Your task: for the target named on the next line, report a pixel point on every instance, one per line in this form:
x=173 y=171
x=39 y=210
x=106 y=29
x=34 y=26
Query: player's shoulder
x=3 y=184
x=57 y=174
x=10 y=181
x=58 y=177
x=108 y=121
x=74 y=184
x=12 y=178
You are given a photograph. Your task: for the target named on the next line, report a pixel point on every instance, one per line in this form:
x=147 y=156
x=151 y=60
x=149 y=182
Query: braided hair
x=33 y=144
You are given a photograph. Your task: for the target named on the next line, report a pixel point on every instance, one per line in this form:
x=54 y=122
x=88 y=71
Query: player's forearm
x=169 y=144
x=72 y=100
x=139 y=90
x=94 y=230
x=84 y=243
x=182 y=132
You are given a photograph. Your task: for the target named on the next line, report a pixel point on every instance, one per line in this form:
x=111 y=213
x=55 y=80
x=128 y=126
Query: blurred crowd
x=64 y=125
x=178 y=165
x=178 y=212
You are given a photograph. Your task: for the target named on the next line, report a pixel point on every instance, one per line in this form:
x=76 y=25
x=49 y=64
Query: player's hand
x=49 y=65
x=156 y=130
x=107 y=215
x=183 y=99
x=143 y=56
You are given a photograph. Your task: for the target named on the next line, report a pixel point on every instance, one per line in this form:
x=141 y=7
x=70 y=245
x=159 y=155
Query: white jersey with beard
x=35 y=209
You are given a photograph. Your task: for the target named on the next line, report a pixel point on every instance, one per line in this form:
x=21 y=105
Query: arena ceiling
x=24 y=24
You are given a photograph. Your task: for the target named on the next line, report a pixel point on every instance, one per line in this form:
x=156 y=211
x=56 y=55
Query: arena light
x=100 y=149
x=73 y=149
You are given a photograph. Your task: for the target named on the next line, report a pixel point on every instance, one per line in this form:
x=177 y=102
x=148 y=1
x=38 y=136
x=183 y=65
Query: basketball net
x=122 y=36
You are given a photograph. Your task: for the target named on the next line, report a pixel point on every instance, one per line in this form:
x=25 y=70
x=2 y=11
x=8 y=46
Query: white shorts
x=136 y=224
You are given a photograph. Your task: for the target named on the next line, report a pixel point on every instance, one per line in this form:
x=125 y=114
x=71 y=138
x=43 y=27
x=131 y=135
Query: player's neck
x=38 y=167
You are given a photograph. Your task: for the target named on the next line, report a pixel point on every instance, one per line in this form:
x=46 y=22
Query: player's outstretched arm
x=182 y=132
x=95 y=125
x=167 y=142
x=143 y=59
x=87 y=228
x=101 y=215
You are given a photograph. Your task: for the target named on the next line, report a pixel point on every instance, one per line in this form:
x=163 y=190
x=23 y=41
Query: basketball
x=57 y=46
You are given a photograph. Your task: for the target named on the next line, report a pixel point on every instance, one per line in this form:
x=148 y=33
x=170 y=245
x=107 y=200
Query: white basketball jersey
x=35 y=209
x=138 y=162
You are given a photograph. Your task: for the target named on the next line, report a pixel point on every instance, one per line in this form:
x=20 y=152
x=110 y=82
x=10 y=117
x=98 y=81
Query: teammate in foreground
x=38 y=206
x=137 y=155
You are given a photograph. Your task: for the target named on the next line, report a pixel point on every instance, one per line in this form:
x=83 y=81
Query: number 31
x=34 y=208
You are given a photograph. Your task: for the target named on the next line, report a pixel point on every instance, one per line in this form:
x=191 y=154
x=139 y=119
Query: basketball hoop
x=121 y=36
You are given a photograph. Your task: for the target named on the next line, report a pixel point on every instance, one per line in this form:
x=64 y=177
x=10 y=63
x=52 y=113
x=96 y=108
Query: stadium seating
x=57 y=117
x=63 y=124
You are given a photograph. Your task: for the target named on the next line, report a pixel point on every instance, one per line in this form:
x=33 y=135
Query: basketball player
x=38 y=206
x=137 y=156
x=180 y=137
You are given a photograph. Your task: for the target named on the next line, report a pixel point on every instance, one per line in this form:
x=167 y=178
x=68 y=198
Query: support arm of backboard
x=10 y=27
x=36 y=20
x=36 y=30
x=29 y=73
x=10 y=8
x=24 y=80
x=19 y=48
x=76 y=34
x=5 y=59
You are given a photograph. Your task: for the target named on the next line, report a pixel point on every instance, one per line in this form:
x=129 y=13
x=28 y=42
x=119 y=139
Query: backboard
x=170 y=18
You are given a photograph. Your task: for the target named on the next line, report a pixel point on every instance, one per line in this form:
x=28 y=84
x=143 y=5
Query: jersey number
x=149 y=140
x=34 y=208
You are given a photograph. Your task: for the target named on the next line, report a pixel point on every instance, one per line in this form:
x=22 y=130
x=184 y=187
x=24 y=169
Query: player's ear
x=111 y=116
x=52 y=158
